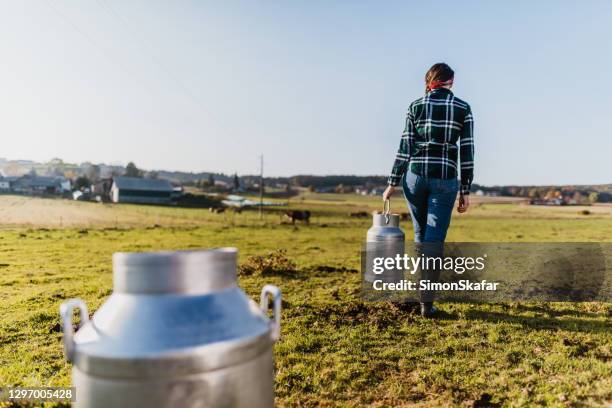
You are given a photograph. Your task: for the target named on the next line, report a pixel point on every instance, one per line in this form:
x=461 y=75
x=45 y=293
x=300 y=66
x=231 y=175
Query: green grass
x=335 y=349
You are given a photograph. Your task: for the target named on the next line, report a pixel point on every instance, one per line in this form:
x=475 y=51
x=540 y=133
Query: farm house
x=5 y=184
x=40 y=185
x=138 y=190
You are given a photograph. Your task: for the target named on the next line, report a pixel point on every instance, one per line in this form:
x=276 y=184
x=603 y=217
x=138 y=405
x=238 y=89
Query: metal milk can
x=177 y=331
x=385 y=239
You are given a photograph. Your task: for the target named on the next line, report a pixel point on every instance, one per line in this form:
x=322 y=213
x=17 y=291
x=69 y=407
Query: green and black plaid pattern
x=435 y=124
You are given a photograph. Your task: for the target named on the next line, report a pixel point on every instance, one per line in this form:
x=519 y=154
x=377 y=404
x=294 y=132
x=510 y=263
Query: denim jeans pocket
x=410 y=180
x=449 y=186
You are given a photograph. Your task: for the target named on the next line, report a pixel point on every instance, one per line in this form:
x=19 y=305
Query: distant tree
x=93 y=173
x=552 y=194
x=81 y=182
x=578 y=198
x=593 y=197
x=211 y=180
x=69 y=174
x=132 y=171
x=116 y=173
x=236 y=182
x=13 y=169
x=153 y=175
x=56 y=167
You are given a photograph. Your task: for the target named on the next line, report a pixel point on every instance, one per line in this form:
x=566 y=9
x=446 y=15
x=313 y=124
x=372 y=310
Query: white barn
x=138 y=190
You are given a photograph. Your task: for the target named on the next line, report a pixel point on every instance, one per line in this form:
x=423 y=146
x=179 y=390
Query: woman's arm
x=466 y=150
x=402 y=157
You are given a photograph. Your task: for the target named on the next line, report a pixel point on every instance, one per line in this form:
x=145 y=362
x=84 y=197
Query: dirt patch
x=272 y=263
x=56 y=328
x=330 y=269
x=379 y=314
x=485 y=401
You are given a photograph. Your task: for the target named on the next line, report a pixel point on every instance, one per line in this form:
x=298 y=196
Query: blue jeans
x=431 y=202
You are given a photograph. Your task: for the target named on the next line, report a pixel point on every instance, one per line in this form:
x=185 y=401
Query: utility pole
x=261 y=187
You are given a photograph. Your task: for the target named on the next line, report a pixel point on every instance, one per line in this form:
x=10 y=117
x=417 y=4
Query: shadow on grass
x=383 y=314
x=545 y=308
x=538 y=322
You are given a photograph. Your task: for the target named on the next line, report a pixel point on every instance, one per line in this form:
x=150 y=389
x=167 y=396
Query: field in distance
x=336 y=350
x=35 y=212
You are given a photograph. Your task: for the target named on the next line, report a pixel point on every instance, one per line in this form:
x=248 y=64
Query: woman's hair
x=439 y=72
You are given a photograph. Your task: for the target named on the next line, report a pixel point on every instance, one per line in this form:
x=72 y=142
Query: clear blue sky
x=319 y=87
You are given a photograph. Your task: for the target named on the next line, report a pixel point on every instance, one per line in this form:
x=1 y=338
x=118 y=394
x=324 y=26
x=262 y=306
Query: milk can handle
x=387 y=210
x=66 y=310
x=275 y=293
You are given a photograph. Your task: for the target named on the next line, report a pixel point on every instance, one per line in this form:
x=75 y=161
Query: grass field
x=335 y=349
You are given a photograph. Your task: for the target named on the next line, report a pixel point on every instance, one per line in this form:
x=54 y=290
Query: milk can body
x=385 y=239
x=176 y=332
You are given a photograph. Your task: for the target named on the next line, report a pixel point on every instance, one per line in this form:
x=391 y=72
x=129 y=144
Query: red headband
x=438 y=84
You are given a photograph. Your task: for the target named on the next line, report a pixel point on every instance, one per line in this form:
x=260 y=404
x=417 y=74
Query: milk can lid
x=174 y=272
x=381 y=219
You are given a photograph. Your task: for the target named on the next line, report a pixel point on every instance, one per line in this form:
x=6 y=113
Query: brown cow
x=299 y=216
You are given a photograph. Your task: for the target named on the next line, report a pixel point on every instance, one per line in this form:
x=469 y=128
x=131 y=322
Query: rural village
x=118 y=184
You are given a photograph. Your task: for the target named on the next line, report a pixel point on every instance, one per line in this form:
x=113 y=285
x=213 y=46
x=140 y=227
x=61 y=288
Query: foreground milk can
x=385 y=239
x=176 y=332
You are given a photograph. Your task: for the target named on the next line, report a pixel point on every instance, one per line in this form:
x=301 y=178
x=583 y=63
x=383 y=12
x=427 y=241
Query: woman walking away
x=439 y=131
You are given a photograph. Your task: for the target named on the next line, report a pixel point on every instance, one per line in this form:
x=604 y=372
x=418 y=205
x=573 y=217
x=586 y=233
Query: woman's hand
x=464 y=203
x=388 y=193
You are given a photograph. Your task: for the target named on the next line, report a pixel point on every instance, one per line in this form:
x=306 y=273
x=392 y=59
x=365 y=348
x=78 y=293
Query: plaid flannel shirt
x=428 y=147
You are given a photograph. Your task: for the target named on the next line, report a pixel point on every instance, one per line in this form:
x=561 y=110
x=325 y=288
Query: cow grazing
x=297 y=215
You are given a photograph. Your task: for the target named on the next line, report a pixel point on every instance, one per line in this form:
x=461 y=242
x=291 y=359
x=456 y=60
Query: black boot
x=428 y=309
